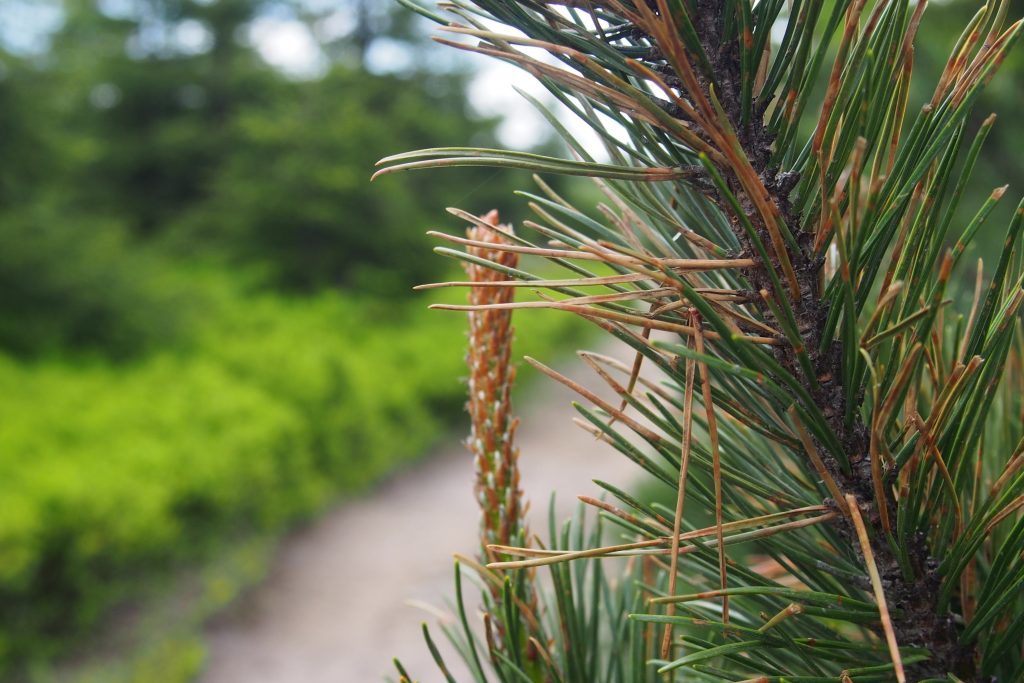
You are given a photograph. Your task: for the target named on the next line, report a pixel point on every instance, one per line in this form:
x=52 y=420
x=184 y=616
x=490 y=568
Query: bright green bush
x=111 y=472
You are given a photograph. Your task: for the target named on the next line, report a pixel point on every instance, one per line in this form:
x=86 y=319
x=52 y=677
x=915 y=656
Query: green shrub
x=110 y=472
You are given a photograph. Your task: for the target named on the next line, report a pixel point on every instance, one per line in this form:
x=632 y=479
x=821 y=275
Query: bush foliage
x=113 y=471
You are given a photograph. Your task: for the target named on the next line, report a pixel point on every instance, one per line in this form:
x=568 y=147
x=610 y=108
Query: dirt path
x=336 y=604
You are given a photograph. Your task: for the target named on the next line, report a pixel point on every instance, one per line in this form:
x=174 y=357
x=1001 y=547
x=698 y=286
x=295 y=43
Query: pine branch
x=821 y=373
x=919 y=621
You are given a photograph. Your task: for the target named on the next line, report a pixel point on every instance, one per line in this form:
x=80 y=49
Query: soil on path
x=340 y=600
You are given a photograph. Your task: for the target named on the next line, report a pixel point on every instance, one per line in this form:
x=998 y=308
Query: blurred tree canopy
x=148 y=136
x=1002 y=164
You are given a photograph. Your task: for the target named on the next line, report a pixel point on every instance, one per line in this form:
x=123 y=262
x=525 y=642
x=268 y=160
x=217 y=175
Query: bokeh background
x=207 y=333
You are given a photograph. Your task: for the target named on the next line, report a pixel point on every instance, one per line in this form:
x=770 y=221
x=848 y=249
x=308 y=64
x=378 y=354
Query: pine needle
x=684 y=464
x=712 y=424
x=876 y=585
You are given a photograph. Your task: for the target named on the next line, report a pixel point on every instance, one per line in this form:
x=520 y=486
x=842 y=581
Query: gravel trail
x=336 y=604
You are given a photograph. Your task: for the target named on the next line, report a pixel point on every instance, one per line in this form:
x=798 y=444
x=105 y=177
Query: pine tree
x=781 y=212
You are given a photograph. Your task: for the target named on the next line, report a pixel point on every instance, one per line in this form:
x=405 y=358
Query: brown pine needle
x=648 y=435
x=1016 y=504
x=634 y=373
x=635 y=295
x=1013 y=465
x=656 y=546
x=569 y=282
x=733 y=313
x=625 y=392
x=713 y=297
x=492 y=646
x=684 y=463
x=680 y=263
x=621 y=514
x=626 y=370
x=835 y=80
x=876 y=584
x=709 y=409
x=904 y=375
x=902 y=324
x=933 y=450
x=884 y=300
x=877 y=485
x=946 y=399
x=545 y=655
x=819 y=464
x=628 y=318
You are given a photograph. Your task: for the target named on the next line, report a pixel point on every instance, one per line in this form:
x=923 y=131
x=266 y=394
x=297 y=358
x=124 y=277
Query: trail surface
x=341 y=598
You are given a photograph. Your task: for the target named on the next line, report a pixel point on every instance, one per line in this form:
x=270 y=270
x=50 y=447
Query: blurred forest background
x=206 y=325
